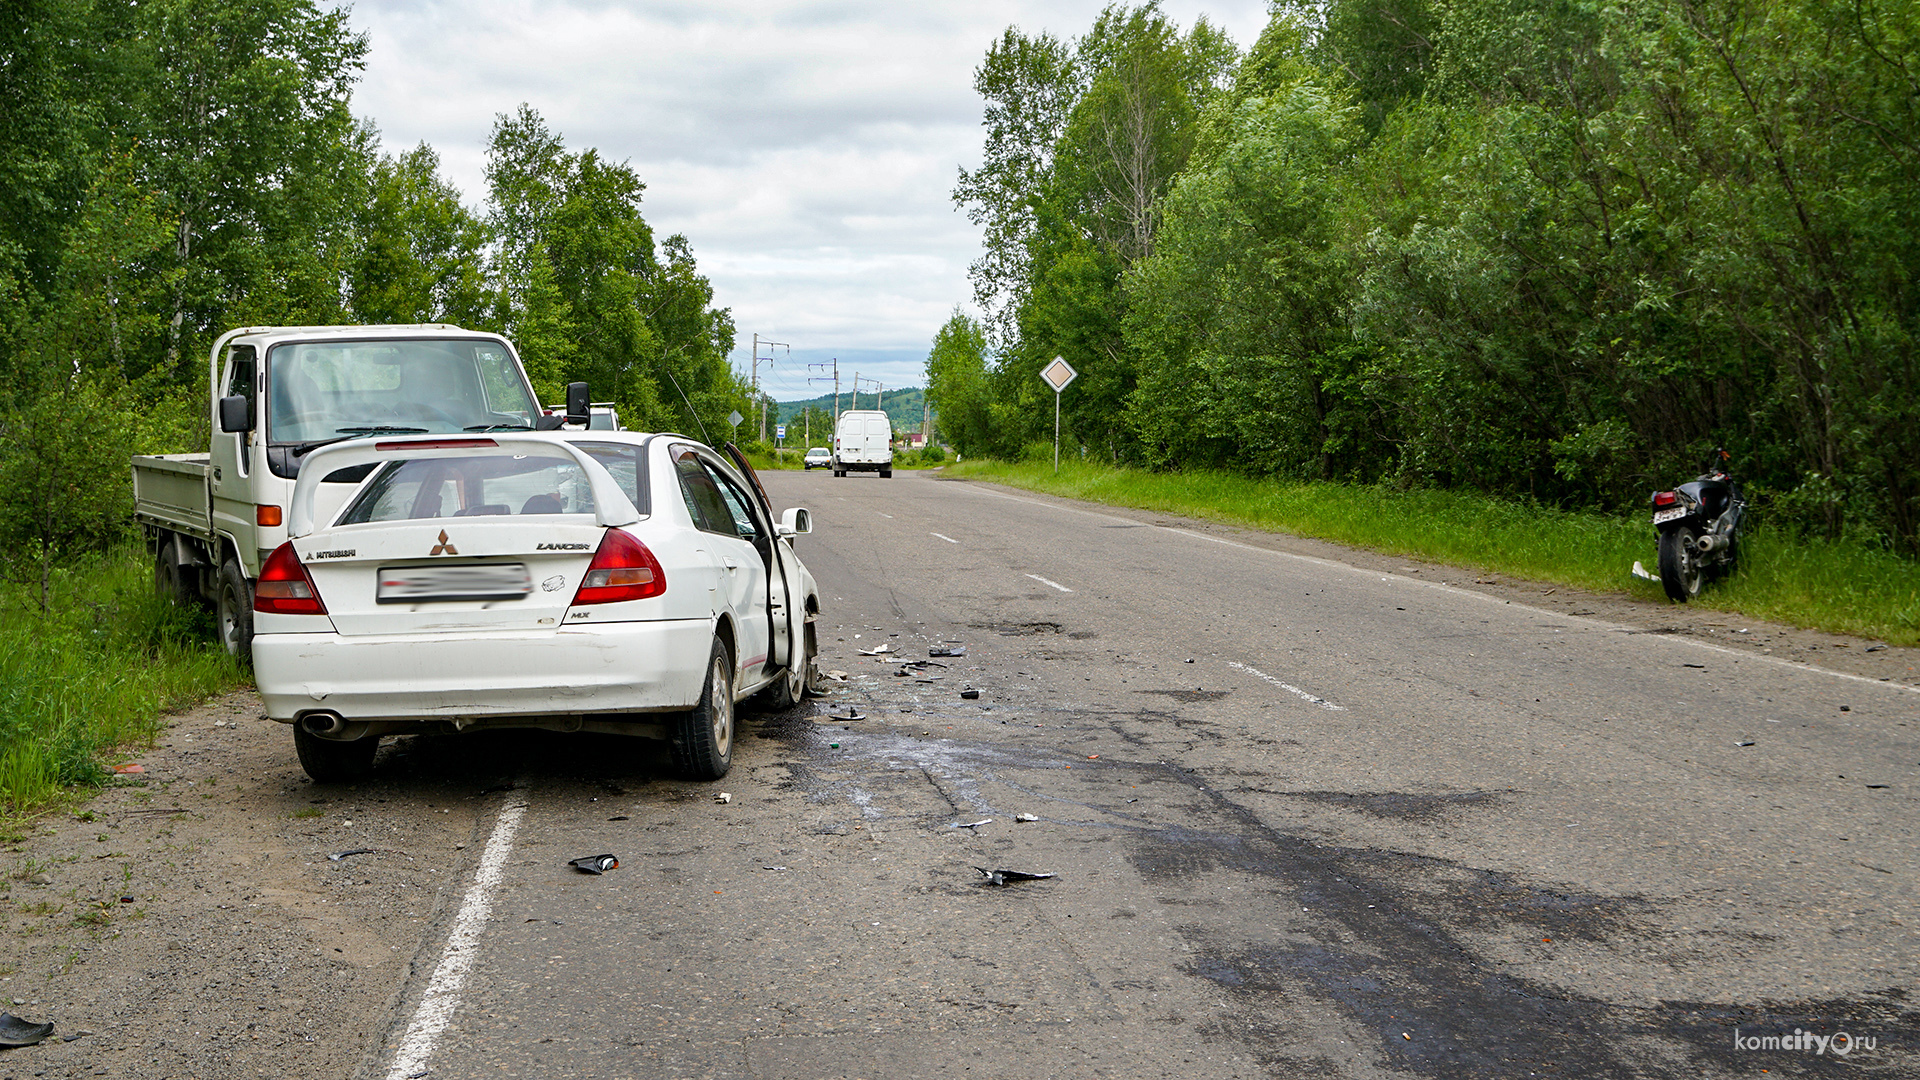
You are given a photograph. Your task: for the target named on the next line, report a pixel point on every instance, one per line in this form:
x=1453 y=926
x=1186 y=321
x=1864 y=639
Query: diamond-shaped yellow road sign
x=1058 y=374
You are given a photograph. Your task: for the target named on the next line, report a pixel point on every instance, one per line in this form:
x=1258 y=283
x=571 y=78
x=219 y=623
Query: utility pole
x=757 y=342
x=835 y=364
x=856 y=392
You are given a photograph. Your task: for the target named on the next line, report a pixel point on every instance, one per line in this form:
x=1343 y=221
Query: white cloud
x=806 y=149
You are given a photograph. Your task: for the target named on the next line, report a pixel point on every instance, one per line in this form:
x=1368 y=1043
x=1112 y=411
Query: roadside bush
x=94 y=668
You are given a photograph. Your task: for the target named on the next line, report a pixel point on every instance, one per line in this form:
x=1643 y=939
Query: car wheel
x=703 y=747
x=233 y=613
x=791 y=688
x=330 y=761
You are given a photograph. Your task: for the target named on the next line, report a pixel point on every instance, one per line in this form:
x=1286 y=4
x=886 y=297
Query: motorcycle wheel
x=1680 y=572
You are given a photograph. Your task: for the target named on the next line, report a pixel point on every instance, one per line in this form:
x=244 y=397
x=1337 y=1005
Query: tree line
x=170 y=169
x=1553 y=250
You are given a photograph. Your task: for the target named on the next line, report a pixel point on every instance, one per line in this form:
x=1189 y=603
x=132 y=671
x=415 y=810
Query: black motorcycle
x=1699 y=526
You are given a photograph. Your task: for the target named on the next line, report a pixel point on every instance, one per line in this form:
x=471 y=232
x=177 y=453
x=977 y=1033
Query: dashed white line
x=1053 y=584
x=1289 y=687
x=442 y=998
x=948 y=539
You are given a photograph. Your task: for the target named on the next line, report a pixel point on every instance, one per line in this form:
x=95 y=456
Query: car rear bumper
x=612 y=668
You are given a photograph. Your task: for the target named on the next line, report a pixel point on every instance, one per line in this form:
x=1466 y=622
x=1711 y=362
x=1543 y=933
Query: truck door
x=230 y=487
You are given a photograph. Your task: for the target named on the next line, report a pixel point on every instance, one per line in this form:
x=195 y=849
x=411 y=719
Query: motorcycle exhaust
x=324 y=724
x=1709 y=542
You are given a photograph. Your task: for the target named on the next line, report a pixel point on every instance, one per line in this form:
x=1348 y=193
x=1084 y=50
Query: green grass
x=94 y=674
x=1835 y=587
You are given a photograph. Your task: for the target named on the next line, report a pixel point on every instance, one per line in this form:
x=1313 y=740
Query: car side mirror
x=236 y=413
x=796 y=522
x=579 y=405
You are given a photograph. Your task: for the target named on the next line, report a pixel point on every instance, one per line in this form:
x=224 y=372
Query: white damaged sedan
x=607 y=581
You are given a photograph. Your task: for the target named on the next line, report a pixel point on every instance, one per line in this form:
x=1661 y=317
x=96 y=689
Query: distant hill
x=903 y=407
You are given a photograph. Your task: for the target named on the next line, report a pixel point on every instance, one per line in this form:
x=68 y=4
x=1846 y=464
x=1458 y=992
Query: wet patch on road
x=1398 y=805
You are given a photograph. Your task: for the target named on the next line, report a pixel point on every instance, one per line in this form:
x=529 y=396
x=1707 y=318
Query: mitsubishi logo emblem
x=444 y=547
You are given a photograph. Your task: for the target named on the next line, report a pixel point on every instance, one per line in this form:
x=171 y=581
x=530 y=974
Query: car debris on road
x=595 y=864
x=1006 y=877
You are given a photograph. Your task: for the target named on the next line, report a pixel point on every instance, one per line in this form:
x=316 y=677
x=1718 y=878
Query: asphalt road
x=1306 y=819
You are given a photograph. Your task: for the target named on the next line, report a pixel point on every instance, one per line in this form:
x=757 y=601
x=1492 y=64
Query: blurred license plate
x=1660 y=516
x=490 y=581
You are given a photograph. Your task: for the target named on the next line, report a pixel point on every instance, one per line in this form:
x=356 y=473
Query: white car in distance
x=606 y=581
x=818 y=457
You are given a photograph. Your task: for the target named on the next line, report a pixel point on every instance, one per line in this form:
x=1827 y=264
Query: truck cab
x=276 y=394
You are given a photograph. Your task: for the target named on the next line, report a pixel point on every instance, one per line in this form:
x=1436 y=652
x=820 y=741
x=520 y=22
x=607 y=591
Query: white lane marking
x=437 y=1005
x=1044 y=581
x=1288 y=687
x=889 y=517
x=1790 y=665
x=948 y=539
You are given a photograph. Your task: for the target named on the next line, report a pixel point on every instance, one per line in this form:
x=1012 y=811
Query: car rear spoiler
x=611 y=505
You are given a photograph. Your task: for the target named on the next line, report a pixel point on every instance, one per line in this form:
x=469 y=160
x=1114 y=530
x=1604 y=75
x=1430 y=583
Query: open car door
x=786 y=619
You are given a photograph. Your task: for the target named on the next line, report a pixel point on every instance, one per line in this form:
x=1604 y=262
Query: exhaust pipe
x=1709 y=542
x=324 y=724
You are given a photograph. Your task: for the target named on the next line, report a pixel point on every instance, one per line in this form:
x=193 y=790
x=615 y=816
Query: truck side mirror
x=579 y=407
x=236 y=413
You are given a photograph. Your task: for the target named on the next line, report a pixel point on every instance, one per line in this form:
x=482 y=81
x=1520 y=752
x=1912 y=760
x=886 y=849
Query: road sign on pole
x=734 y=418
x=1057 y=374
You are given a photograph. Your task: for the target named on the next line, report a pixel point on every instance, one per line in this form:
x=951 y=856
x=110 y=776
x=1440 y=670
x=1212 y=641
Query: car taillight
x=1665 y=498
x=284 y=587
x=623 y=569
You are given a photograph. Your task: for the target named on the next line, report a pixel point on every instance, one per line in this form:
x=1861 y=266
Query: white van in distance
x=863 y=441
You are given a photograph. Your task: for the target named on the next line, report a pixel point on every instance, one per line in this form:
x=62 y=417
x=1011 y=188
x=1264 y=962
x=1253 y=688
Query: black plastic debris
x=338 y=855
x=852 y=714
x=969 y=693
x=618 y=817
x=595 y=864
x=1744 y=742
x=972 y=824
x=946 y=650
x=1008 y=877
x=17 y=1032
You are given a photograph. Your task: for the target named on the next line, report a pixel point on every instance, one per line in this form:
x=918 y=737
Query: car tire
x=792 y=686
x=703 y=745
x=233 y=613
x=331 y=761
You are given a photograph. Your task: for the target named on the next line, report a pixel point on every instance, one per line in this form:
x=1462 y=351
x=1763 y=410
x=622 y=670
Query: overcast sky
x=806 y=149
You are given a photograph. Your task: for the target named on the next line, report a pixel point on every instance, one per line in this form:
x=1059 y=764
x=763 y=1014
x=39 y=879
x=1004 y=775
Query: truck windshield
x=326 y=390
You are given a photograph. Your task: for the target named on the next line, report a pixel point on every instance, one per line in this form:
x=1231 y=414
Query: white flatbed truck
x=279 y=392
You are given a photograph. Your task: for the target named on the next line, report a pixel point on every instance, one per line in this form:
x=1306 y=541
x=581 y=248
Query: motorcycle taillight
x=1665 y=498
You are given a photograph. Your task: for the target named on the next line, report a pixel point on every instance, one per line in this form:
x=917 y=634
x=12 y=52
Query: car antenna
x=704 y=437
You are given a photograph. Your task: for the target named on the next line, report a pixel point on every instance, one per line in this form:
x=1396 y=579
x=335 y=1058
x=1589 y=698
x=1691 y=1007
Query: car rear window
x=622 y=460
x=480 y=486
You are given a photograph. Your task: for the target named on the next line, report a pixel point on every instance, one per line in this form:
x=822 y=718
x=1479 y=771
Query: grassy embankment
x=1836 y=587
x=93 y=675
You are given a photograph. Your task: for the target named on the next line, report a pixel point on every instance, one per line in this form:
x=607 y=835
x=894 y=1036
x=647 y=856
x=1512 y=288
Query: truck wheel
x=839 y=472
x=233 y=613
x=330 y=761
x=166 y=574
x=886 y=474
x=703 y=747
